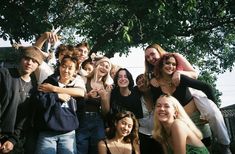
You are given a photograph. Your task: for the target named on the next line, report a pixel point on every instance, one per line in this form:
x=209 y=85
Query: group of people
x=88 y=105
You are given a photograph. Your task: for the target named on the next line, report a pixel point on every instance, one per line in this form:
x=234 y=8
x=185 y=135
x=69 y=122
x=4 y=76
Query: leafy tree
x=202 y=30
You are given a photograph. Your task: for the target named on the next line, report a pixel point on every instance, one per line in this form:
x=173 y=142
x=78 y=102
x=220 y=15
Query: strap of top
x=108 y=151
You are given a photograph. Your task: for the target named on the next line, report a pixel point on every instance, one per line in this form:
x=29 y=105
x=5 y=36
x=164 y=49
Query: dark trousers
x=149 y=146
x=90 y=132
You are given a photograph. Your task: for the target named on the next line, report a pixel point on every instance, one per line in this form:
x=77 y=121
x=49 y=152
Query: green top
x=204 y=128
x=190 y=149
x=196 y=150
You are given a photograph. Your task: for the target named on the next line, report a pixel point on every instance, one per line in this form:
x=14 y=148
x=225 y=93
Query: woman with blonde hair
x=174 y=129
x=164 y=71
x=207 y=108
x=94 y=107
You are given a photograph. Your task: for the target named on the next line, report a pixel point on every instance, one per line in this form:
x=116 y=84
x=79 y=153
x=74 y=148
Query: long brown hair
x=149 y=67
x=133 y=136
x=158 y=67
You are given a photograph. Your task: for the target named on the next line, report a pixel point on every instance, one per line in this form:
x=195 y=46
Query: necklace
x=166 y=84
x=24 y=88
x=118 y=149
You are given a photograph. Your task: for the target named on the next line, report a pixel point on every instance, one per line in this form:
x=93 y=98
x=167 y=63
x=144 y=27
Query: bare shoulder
x=101 y=143
x=179 y=126
x=179 y=131
x=102 y=147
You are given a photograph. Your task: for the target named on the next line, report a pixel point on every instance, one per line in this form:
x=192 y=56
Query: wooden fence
x=229 y=118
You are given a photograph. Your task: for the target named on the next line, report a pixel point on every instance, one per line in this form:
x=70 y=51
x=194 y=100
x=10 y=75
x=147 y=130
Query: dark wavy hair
x=129 y=76
x=133 y=136
x=158 y=67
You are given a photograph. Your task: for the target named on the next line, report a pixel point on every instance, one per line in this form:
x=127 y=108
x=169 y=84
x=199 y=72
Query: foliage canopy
x=202 y=30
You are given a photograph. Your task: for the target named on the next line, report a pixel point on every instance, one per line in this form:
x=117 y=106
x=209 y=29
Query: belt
x=91 y=113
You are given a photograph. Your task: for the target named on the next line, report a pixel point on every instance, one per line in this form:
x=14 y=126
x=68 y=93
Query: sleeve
x=79 y=82
x=139 y=110
x=47 y=100
x=23 y=120
x=156 y=93
x=199 y=85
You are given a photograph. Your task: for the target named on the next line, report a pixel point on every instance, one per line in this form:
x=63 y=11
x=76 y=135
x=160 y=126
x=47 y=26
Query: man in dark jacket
x=16 y=89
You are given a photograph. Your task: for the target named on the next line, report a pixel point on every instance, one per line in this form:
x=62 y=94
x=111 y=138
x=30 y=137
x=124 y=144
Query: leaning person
x=174 y=129
x=208 y=109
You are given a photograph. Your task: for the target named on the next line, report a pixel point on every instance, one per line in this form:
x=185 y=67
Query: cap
x=104 y=59
x=32 y=52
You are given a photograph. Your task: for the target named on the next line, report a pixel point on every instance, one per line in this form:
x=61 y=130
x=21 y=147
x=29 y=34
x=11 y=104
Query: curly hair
x=158 y=67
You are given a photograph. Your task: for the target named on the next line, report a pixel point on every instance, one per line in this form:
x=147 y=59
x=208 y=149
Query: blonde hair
x=107 y=79
x=159 y=133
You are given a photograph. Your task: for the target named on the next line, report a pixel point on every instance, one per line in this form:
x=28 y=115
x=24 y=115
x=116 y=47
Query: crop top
x=182 y=93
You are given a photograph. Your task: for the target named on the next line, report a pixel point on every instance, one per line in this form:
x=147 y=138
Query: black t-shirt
x=126 y=103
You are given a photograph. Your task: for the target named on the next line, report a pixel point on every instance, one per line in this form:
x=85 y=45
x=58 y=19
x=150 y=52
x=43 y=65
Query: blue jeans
x=90 y=131
x=50 y=142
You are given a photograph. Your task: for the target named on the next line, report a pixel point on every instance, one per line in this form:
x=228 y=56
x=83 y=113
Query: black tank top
x=108 y=151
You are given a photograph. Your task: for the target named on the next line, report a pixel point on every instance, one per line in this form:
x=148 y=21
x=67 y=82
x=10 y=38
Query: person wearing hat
x=94 y=107
x=16 y=88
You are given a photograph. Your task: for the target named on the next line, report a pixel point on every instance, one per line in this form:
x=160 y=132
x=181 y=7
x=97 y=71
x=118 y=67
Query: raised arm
x=46 y=36
x=184 y=67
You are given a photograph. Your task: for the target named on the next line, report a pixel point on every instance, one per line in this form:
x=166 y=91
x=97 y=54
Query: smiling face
x=81 y=53
x=165 y=111
x=169 y=66
x=103 y=68
x=67 y=69
x=124 y=126
x=123 y=80
x=88 y=68
x=152 y=55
